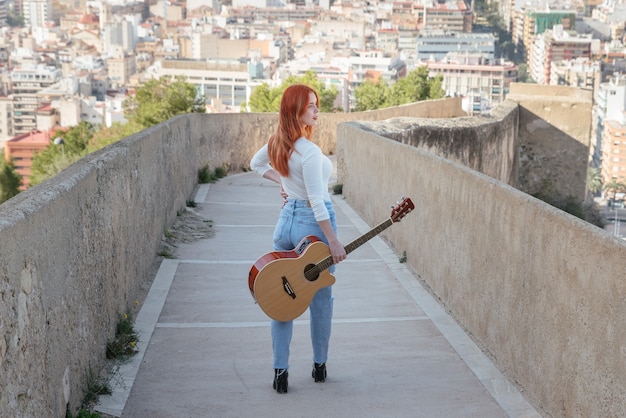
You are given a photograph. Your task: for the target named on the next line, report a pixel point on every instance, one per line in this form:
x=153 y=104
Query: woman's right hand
x=337 y=251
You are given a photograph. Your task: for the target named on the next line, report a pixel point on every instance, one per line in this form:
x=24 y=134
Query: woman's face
x=312 y=112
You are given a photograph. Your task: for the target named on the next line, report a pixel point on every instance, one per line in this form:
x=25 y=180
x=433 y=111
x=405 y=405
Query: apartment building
x=610 y=106
x=612 y=14
x=454 y=16
x=120 y=68
x=26 y=82
x=333 y=74
x=387 y=40
x=554 y=46
x=37 y=13
x=614 y=152
x=579 y=72
x=21 y=150
x=121 y=33
x=435 y=45
x=6 y=119
x=4 y=8
x=373 y=65
x=529 y=22
x=228 y=81
x=484 y=83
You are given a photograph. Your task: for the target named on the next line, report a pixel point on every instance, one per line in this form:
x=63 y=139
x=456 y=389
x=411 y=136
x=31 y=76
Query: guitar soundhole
x=311 y=272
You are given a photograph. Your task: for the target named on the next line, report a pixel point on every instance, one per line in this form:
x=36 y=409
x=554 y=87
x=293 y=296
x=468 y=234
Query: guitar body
x=284 y=283
x=279 y=281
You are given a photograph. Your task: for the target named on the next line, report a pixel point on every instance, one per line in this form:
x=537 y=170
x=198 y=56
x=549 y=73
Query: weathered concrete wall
x=325 y=132
x=538 y=289
x=485 y=143
x=554 y=137
x=75 y=249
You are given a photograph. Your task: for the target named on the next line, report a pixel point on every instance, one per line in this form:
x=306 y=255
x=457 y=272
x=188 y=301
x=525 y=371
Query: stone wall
x=539 y=290
x=554 y=140
x=485 y=143
x=75 y=250
x=73 y=253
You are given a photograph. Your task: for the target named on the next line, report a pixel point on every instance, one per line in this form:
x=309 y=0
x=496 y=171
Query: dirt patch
x=188 y=227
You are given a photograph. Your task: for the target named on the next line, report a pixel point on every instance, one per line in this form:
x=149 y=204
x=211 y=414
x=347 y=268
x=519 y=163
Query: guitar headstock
x=402 y=208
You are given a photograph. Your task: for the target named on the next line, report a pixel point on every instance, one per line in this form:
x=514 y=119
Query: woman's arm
x=275 y=177
x=337 y=249
x=261 y=164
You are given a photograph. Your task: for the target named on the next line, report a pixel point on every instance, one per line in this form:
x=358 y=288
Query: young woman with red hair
x=303 y=171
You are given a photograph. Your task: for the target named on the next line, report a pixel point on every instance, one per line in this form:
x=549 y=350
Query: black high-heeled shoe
x=280 y=380
x=319 y=372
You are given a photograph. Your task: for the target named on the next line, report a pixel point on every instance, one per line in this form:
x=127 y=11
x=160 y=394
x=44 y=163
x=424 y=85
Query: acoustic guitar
x=284 y=283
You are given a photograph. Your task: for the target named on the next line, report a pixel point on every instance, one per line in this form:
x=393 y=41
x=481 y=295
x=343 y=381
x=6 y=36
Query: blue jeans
x=295 y=222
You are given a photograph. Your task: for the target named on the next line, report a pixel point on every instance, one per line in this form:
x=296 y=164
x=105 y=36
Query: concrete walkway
x=205 y=348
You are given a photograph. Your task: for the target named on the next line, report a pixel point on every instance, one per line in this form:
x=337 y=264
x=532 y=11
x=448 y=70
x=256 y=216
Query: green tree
x=327 y=95
x=267 y=99
x=613 y=187
x=15 y=21
x=10 y=179
x=371 y=95
x=159 y=100
x=415 y=87
x=109 y=135
x=522 y=74
x=154 y=102
x=65 y=148
x=594 y=180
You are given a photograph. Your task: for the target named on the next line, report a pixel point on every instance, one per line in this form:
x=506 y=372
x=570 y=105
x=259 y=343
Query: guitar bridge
x=288 y=289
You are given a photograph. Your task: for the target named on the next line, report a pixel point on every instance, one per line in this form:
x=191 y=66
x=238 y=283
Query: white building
x=27 y=82
x=226 y=81
x=483 y=83
x=610 y=106
x=580 y=72
x=37 y=13
x=4 y=6
x=122 y=33
x=435 y=45
x=6 y=120
x=332 y=74
x=558 y=45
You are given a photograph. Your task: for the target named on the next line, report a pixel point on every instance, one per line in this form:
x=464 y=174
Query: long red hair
x=293 y=105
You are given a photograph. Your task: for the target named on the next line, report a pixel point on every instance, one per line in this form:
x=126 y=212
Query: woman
x=299 y=167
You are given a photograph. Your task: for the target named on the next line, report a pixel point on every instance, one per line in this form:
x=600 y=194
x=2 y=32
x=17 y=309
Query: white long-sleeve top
x=309 y=173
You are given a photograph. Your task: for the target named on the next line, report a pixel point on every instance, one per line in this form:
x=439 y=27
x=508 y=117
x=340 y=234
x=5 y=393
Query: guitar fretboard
x=328 y=261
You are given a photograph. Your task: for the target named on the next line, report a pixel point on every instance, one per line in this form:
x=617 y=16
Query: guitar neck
x=328 y=261
x=368 y=236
